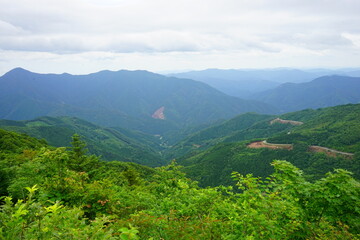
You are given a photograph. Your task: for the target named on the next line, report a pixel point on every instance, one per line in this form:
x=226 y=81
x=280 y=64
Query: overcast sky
x=83 y=36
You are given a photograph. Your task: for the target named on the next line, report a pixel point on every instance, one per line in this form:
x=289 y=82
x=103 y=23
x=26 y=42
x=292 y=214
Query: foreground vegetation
x=59 y=193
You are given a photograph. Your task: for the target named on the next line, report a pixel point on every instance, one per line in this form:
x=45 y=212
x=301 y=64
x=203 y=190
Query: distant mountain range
x=245 y=82
x=322 y=92
x=126 y=99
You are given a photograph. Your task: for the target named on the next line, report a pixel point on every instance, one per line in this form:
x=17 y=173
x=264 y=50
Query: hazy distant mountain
x=243 y=83
x=126 y=99
x=322 y=92
x=353 y=73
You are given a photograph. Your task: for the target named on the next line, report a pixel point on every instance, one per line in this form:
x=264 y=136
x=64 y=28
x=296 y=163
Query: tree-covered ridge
x=59 y=193
x=110 y=144
x=11 y=142
x=336 y=127
x=238 y=126
x=333 y=127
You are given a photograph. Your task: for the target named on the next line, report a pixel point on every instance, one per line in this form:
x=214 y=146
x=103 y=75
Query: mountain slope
x=243 y=127
x=214 y=166
x=111 y=144
x=126 y=99
x=15 y=143
x=321 y=127
x=210 y=136
x=325 y=91
x=334 y=127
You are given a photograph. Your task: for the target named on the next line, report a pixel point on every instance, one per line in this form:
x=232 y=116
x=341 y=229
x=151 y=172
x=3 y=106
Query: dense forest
x=64 y=193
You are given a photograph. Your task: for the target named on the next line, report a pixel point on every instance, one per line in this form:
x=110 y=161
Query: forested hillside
x=325 y=127
x=335 y=128
x=110 y=144
x=52 y=193
x=213 y=167
x=212 y=135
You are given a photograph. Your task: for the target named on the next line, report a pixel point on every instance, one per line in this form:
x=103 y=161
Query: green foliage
x=62 y=194
x=14 y=150
x=11 y=142
x=78 y=161
x=78 y=147
x=30 y=219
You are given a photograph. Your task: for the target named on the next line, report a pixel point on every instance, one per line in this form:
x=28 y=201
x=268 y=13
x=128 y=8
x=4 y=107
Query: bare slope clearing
x=264 y=144
x=282 y=121
x=329 y=151
x=159 y=114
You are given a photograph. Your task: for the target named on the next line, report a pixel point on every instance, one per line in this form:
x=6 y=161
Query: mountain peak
x=17 y=71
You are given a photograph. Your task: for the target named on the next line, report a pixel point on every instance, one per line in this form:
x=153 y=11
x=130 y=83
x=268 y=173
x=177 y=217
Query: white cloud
x=199 y=30
x=354 y=38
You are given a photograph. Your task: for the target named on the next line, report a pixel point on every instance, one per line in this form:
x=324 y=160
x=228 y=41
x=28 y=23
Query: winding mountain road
x=327 y=151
